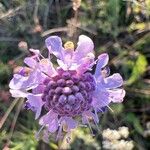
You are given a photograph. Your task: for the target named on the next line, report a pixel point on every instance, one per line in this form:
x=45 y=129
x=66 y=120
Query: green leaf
x=131 y=118
x=138 y=69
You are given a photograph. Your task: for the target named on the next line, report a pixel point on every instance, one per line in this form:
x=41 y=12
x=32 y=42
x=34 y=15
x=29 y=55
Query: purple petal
x=71 y=123
x=113 y=81
x=47 y=67
x=62 y=64
x=26 y=83
x=100 y=95
x=102 y=62
x=30 y=62
x=100 y=99
x=89 y=114
x=36 y=103
x=18 y=93
x=85 y=46
x=84 y=65
x=68 y=57
x=39 y=89
x=23 y=71
x=117 y=95
x=54 y=45
x=35 y=51
x=18 y=82
x=50 y=120
x=35 y=78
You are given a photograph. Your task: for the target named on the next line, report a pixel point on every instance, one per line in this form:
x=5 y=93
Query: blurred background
x=119 y=27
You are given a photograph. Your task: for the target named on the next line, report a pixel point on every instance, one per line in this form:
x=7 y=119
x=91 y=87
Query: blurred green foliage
x=138 y=68
x=118 y=27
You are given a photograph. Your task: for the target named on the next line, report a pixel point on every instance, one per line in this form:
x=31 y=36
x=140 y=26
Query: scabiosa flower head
x=68 y=95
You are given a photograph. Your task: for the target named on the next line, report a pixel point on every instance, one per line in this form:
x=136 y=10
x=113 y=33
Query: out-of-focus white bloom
x=76 y=4
x=124 y=145
x=123 y=131
x=23 y=46
x=111 y=134
x=118 y=145
x=115 y=139
x=107 y=144
x=146 y=133
x=148 y=125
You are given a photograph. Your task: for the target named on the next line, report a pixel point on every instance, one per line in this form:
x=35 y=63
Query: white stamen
x=59 y=132
x=37 y=134
x=93 y=63
x=42 y=56
x=96 y=123
x=83 y=125
x=110 y=109
x=97 y=118
x=90 y=126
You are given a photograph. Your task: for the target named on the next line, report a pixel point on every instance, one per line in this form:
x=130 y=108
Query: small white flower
x=124 y=132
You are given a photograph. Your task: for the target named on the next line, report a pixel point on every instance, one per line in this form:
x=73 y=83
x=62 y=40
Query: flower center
x=68 y=94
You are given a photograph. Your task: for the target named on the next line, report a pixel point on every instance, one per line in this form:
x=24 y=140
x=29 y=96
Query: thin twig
x=138 y=109
x=46 y=13
x=10 y=39
x=61 y=29
x=14 y=122
x=35 y=14
x=2 y=121
x=88 y=30
x=19 y=56
x=59 y=19
x=10 y=12
x=139 y=91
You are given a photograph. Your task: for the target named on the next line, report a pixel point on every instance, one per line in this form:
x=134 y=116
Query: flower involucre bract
x=68 y=95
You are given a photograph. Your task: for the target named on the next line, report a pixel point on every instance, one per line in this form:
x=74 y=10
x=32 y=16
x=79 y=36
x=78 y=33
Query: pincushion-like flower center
x=68 y=94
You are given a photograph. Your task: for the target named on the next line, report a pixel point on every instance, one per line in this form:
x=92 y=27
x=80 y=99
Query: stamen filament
x=90 y=126
x=37 y=134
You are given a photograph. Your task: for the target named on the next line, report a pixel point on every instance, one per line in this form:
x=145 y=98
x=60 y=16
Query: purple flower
x=69 y=91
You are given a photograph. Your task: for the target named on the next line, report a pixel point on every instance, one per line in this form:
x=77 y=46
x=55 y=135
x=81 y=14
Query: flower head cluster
x=60 y=95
